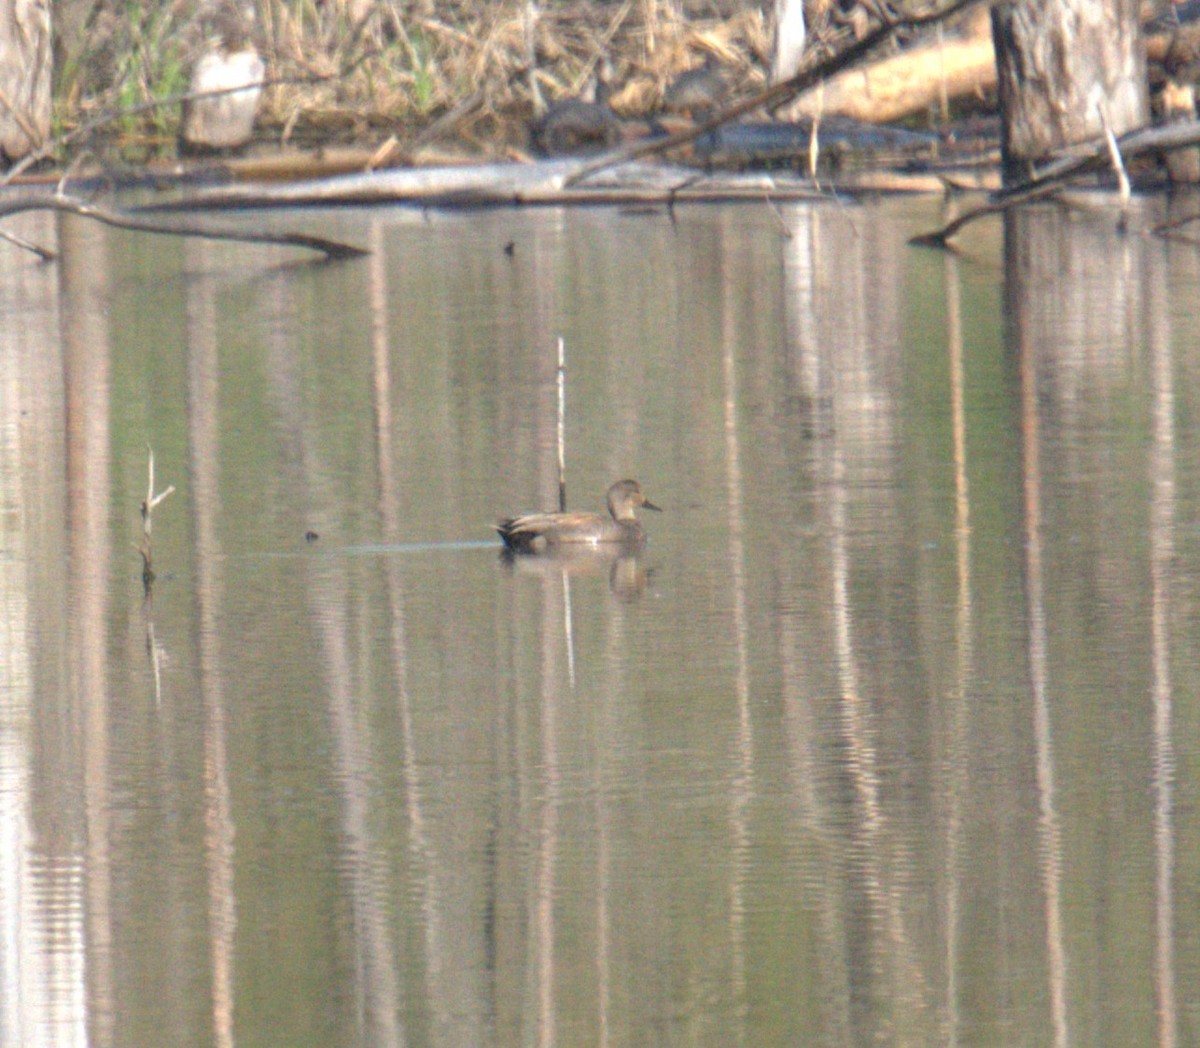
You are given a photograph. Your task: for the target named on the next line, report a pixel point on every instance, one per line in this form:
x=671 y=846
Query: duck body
x=578 y=126
x=697 y=92
x=574 y=126
x=547 y=532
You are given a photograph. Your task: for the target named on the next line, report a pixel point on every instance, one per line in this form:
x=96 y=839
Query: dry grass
x=409 y=64
x=477 y=70
x=466 y=73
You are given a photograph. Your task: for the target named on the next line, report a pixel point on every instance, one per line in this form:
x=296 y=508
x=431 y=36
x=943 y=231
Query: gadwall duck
x=697 y=92
x=575 y=126
x=540 y=532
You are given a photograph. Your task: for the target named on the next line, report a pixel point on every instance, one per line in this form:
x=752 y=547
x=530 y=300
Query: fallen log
x=547 y=182
x=906 y=84
x=490 y=183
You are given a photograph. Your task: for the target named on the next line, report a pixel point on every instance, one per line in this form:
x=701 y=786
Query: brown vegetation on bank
x=472 y=72
x=414 y=76
x=461 y=74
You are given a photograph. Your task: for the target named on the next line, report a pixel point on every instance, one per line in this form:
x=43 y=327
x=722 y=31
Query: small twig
x=170 y=490
x=383 y=154
x=1118 y=163
x=814 y=136
x=152 y=500
x=122 y=220
x=45 y=254
x=68 y=173
x=814 y=147
x=562 y=424
x=146 y=549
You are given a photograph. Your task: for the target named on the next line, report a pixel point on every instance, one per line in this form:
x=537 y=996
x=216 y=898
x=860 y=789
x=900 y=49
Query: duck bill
x=650 y=505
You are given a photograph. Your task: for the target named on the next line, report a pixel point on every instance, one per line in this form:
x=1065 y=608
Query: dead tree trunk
x=24 y=77
x=1066 y=69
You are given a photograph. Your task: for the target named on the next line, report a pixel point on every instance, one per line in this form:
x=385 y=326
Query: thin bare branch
x=1118 y=162
x=45 y=254
x=1080 y=160
x=332 y=249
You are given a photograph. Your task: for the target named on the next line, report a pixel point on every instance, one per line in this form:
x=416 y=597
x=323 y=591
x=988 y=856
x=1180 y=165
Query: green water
x=888 y=735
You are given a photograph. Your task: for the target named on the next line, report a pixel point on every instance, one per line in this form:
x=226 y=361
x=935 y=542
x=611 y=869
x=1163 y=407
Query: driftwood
x=283 y=165
x=331 y=249
x=475 y=184
x=906 y=84
x=545 y=183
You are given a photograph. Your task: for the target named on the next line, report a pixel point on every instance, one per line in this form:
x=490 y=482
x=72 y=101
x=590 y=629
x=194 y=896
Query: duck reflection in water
x=627 y=576
x=550 y=532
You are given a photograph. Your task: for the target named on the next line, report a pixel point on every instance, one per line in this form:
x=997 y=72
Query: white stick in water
x=562 y=421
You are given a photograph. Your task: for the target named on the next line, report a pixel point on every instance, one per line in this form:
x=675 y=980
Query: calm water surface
x=889 y=736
